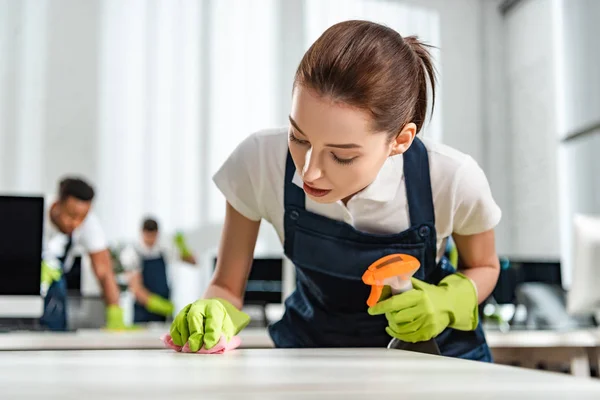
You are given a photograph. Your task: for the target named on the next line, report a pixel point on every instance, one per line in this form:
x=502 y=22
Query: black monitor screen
x=265 y=283
x=21 y=223
x=520 y=271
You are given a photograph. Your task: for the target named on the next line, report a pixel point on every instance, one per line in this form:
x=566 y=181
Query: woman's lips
x=316 y=192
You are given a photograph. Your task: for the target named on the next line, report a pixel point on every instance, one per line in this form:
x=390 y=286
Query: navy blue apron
x=55 y=302
x=328 y=307
x=154 y=277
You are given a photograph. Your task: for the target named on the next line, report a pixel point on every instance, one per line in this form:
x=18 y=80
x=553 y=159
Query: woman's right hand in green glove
x=204 y=322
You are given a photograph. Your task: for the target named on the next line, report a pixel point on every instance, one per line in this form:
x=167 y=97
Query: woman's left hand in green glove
x=425 y=311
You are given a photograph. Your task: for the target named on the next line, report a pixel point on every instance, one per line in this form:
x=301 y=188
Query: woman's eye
x=293 y=138
x=343 y=161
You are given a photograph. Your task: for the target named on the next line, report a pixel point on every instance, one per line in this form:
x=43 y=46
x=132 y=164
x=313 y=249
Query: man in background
x=70 y=227
x=147 y=262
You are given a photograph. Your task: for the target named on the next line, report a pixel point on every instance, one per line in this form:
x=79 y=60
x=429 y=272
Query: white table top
x=272 y=374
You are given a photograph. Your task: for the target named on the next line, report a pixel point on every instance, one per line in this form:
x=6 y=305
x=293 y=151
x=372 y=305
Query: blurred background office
x=146 y=99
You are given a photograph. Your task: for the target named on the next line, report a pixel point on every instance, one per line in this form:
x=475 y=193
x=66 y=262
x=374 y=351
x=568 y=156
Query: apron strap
x=66 y=253
x=293 y=195
x=418 y=184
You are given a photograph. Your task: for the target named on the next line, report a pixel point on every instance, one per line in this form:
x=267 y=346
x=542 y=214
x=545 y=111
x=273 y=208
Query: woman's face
x=334 y=148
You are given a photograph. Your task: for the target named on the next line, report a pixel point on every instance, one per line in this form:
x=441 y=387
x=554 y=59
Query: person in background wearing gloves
x=148 y=282
x=70 y=227
x=347 y=183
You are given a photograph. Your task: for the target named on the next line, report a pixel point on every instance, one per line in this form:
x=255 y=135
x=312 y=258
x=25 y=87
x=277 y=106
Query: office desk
x=577 y=348
x=273 y=374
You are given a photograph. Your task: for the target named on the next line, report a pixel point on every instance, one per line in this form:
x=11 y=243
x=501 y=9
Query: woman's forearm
x=478 y=261
x=484 y=278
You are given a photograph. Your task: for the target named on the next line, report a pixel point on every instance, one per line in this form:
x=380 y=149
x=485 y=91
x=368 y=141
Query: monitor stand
x=20 y=324
x=21 y=312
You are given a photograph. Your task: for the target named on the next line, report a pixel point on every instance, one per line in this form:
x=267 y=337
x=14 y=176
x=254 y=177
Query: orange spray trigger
x=389 y=270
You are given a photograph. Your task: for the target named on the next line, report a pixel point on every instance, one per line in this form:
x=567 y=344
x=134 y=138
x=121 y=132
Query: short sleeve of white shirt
x=475 y=210
x=461 y=194
x=251 y=179
x=239 y=181
x=91 y=235
x=132 y=255
x=130 y=259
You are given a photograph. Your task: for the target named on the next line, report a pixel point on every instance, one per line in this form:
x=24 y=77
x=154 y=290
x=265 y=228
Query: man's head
x=150 y=232
x=74 y=202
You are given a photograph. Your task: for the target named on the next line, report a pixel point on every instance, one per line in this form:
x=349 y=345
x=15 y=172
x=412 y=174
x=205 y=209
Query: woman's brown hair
x=371 y=67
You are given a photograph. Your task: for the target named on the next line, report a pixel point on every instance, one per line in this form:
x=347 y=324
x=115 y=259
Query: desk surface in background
x=544 y=338
x=258 y=338
x=274 y=373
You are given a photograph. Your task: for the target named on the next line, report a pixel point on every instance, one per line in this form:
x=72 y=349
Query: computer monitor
x=21 y=225
x=584 y=294
x=265 y=282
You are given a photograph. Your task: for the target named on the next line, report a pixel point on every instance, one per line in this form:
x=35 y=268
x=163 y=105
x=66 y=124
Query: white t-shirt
x=86 y=238
x=131 y=256
x=252 y=181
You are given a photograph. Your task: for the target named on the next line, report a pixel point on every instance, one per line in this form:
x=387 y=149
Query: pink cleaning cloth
x=219 y=348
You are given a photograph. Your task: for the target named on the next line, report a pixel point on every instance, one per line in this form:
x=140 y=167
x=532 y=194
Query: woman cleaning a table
x=348 y=182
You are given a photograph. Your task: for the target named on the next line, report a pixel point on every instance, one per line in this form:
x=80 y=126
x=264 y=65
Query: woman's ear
x=404 y=139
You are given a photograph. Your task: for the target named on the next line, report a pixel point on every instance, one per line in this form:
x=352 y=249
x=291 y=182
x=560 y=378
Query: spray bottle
x=395 y=271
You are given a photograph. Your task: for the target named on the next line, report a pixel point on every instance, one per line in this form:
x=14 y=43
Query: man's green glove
x=50 y=273
x=204 y=321
x=159 y=305
x=181 y=245
x=114 y=317
x=425 y=311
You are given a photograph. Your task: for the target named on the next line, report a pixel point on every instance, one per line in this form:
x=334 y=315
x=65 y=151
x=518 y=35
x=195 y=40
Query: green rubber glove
x=181 y=245
x=159 y=305
x=114 y=317
x=453 y=256
x=425 y=311
x=204 y=321
x=50 y=274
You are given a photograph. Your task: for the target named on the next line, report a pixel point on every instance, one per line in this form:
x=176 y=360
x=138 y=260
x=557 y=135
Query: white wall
x=49 y=91
x=497 y=163
x=22 y=90
x=532 y=133
x=72 y=91
x=578 y=102
x=579 y=34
